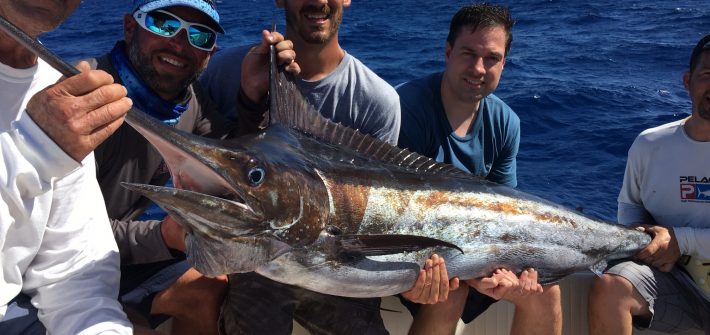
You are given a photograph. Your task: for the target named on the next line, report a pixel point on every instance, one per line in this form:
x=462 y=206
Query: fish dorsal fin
x=289 y=108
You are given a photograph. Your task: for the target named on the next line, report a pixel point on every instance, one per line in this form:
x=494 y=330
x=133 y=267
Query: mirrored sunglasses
x=166 y=24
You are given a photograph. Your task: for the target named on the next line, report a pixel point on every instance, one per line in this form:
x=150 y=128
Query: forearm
x=251 y=116
x=140 y=242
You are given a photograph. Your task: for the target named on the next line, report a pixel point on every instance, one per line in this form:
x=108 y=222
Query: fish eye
x=256 y=176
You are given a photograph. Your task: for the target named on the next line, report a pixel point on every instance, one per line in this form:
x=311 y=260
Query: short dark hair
x=702 y=46
x=481 y=15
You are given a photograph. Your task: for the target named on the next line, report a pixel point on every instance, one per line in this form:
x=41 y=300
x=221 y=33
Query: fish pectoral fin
x=599 y=268
x=374 y=245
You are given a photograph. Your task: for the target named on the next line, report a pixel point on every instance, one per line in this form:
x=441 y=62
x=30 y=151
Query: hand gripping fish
x=312 y=203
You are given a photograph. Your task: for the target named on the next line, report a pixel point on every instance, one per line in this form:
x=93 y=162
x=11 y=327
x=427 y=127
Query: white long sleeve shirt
x=668 y=179
x=56 y=243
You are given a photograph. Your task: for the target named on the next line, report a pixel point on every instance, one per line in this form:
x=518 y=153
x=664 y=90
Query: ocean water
x=584 y=77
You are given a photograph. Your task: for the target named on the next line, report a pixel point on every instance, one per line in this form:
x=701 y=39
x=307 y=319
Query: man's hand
x=80 y=112
x=497 y=285
x=663 y=251
x=173 y=234
x=255 y=66
x=433 y=283
x=503 y=284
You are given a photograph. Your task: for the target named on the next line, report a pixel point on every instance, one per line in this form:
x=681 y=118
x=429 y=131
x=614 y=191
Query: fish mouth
x=213 y=216
x=224 y=236
x=196 y=163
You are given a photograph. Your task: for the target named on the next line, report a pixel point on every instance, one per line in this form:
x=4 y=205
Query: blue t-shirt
x=488 y=149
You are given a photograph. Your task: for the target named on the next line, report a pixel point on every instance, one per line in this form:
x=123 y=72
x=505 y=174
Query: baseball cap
x=205 y=6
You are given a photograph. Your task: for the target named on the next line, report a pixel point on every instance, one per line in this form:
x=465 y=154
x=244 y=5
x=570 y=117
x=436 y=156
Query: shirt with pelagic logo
x=667 y=179
x=695 y=189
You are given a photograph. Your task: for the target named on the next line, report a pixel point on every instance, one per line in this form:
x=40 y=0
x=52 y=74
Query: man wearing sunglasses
x=167 y=44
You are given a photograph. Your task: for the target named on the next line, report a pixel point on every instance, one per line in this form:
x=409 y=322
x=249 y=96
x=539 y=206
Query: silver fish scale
x=553 y=233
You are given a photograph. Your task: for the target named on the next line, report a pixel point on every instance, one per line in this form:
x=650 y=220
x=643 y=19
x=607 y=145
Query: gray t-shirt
x=352 y=94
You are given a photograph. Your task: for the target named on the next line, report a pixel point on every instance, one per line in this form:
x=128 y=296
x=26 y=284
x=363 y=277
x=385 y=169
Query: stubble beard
x=315 y=37
x=703 y=110
x=166 y=84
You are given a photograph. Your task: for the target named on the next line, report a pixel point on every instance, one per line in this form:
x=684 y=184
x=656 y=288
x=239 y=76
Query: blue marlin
x=312 y=203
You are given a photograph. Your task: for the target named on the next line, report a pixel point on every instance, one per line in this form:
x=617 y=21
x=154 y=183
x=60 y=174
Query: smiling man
x=336 y=83
x=167 y=44
x=341 y=88
x=454 y=117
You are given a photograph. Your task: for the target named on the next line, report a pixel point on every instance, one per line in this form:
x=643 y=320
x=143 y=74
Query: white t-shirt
x=56 y=243
x=667 y=179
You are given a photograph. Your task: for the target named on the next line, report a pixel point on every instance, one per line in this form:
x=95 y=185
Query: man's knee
x=613 y=290
x=449 y=310
x=190 y=291
x=456 y=303
x=549 y=299
x=609 y=287
x=551 y=295
x=210 y=289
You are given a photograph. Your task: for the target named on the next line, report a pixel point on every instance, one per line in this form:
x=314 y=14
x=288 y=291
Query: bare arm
x=251 y=98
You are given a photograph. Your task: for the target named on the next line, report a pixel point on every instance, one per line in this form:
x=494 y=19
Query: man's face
x=475 y=63
x=697 y=82
x=37 y=16
x=167 y=64
x=314 y=21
